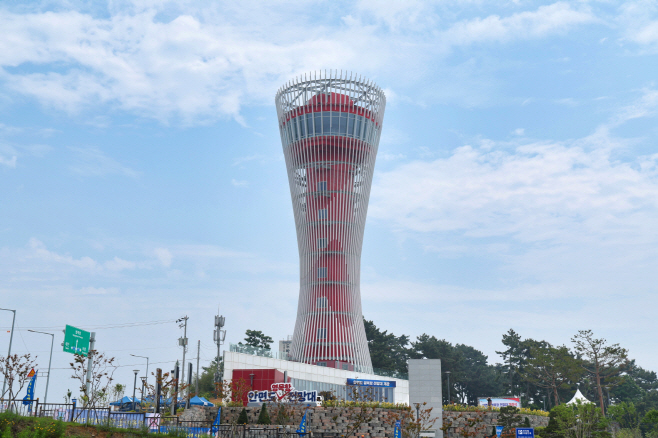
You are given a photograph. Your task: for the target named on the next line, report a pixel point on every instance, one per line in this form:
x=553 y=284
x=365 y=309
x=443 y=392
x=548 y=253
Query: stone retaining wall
x=336 y=419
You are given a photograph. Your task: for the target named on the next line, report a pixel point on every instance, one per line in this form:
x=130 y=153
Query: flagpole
x=52 y=342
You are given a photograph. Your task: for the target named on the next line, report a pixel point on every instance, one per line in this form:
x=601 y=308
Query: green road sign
x=76 y=341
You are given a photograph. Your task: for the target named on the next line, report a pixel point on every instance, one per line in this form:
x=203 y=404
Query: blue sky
x=142 y=178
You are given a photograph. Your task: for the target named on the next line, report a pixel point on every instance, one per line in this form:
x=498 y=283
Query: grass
x=16 y=426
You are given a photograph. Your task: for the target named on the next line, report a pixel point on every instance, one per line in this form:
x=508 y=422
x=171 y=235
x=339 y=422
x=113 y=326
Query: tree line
x=540 y=373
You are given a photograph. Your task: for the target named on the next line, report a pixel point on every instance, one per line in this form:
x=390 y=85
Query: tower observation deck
x=330 y=126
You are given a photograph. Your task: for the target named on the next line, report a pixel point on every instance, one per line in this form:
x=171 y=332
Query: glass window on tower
x=322 y=333
x=322 y=272
x=321 y=302
x=322 y=242
x=322 y=186
x=322 y=213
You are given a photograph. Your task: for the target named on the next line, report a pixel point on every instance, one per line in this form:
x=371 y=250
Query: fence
x=68 y=412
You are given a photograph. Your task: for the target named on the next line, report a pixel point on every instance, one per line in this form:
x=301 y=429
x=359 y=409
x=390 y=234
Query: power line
x=99 y=327
x=120 y=366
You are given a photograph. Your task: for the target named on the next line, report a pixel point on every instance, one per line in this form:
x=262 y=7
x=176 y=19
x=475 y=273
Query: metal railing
x=69 y=412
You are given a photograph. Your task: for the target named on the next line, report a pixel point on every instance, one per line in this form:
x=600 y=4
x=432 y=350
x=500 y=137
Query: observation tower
x=330 y=126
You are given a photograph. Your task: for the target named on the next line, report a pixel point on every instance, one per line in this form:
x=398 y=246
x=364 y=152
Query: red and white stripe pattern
x=330 y=127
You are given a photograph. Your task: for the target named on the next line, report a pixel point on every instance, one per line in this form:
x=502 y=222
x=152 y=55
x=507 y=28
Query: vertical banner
x=29 y=397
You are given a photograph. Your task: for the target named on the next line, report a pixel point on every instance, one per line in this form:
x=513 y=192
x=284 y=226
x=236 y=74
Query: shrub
x=243 y=418
x=467 y=408
x=264 y=417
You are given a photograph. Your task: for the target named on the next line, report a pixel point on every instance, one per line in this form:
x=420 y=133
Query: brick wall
x=335 y=420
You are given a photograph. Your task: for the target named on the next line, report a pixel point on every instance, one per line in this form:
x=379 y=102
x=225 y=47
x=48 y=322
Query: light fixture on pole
x=11 y=338
x=52 y=342
x=134 y=389
x=448 y=373
x=147 y=365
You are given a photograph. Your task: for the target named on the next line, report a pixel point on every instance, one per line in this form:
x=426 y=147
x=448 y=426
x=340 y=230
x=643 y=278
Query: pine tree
x=242 y=418
x=264 y=417
x=509 y=417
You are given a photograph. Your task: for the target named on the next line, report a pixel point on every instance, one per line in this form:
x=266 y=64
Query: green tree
x=264 y=417
x=582 y=420
x=650 y=423
x=509 y=417
x=429 y=347
x=475 y=378
x=638 y=386
x=515 y=360
x=625 y=414
x=552 y=368
x=256 y=338
x=387 y=351
x=207 y=386
x=243 y=418
x=603 y=362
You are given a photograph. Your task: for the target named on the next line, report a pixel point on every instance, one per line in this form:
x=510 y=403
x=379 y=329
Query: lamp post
x=134 y=389
x=52 y=341
x=11 y=338
x=417 y=405
x=448 y=373
x=147 y=368
x=544 y=397
x=143 y=383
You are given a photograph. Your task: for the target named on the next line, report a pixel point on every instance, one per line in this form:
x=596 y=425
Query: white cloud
x=556 y=17
x=118 y=264
x=9 y=162
x=164 y=256
x=538 y=191
x=94 y=162
x=647 y=34
x=210 y=61
x=39 y=250
x=236 y=183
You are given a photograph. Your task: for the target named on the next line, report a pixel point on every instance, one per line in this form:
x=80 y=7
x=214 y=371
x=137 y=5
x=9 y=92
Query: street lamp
x=52 y=341
x=147 y=370
x=134 y=389
x=448 y=373
x=544 y=397
x=418 y=417
x=11 y=338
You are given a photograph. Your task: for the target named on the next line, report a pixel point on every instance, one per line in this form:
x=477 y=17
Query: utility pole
x=92 y=342
x=183 y=342
x=218 y=337
x=11 y=338
x=198 y=354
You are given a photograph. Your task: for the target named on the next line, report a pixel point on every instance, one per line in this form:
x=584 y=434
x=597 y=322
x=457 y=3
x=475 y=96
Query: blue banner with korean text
x=368 y=382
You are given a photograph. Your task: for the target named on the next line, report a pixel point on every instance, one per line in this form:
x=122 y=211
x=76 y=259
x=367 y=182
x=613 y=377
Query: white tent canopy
x=578 y=396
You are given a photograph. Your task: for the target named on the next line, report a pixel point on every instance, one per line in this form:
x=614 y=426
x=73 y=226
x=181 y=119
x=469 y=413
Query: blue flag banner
x=27 y=400
x=302 y=426
x=218 y=419
x=397 y=433
x=499 y=431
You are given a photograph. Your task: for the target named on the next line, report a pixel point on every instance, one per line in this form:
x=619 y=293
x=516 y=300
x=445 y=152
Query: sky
x=142 y=177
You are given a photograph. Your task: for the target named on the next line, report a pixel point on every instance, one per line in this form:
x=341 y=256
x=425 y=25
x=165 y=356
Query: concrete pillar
x=425 y=387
